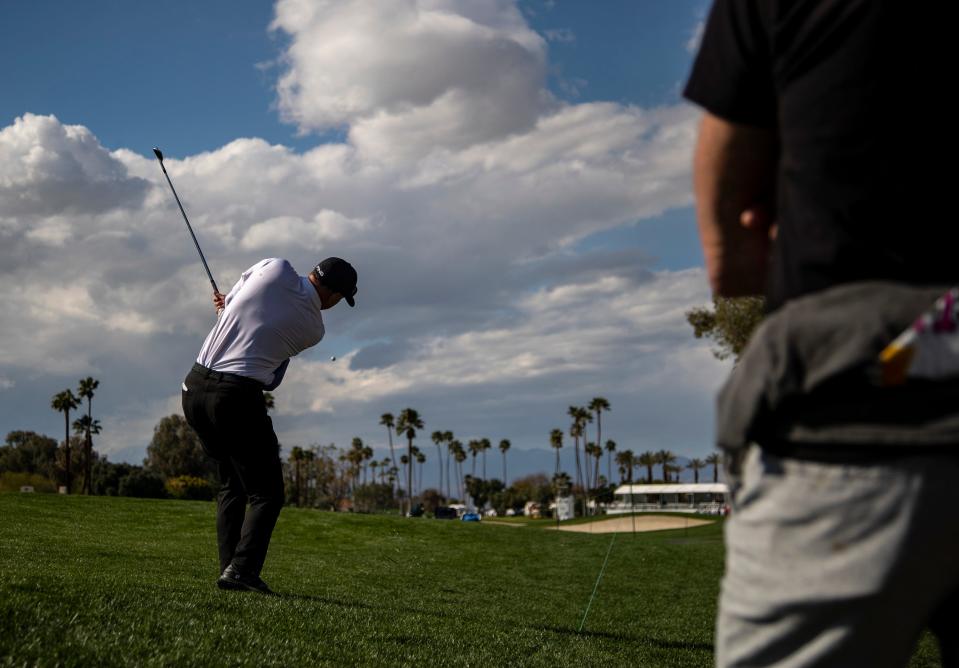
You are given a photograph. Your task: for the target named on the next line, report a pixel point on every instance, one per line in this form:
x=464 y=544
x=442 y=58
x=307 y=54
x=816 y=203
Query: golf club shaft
x=189 y=227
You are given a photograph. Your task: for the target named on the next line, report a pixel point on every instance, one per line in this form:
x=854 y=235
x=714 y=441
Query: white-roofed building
x=711 y=498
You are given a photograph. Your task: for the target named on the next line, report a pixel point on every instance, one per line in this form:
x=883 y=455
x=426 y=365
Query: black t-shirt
x=856 y=90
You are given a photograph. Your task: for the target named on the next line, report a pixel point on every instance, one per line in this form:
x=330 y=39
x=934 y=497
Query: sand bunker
x=643 y=523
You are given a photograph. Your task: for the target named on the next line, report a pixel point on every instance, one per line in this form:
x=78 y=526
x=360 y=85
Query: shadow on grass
x=605 y=635
x=612 y=635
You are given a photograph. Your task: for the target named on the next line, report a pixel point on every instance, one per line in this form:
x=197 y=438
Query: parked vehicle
x=471 y=517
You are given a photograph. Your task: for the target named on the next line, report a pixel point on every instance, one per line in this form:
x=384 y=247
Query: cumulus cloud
x=48 y=168
x=460 y=194
x=411 y=75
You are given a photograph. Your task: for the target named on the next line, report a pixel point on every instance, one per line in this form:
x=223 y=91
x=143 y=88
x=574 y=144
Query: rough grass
x=108 y=581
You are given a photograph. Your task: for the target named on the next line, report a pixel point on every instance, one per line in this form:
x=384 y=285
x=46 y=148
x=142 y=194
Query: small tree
x=729 y=323
x=175 y=450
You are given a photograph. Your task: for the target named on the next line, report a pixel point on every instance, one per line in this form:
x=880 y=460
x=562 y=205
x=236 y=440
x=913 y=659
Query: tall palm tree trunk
x=585 y=467
x=409 y=472
x=449 y=490
x=87 y=463
x=599 y=441
x=579 y=471
x=66 y=416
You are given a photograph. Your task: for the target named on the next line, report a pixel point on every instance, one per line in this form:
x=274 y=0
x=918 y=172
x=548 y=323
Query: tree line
x=326 y=476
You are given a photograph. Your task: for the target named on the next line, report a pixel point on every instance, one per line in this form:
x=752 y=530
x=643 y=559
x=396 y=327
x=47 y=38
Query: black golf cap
x=339 y=276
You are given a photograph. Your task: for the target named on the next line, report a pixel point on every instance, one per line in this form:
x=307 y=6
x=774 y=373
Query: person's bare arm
x=734 y=178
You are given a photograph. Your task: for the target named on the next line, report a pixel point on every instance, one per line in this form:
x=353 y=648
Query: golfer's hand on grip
x=219 y=301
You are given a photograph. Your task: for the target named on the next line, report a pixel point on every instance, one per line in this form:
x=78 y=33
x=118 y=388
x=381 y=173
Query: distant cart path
x=643 y=523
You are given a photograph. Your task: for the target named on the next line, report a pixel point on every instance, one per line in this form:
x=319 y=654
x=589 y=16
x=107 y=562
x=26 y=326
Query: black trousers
x=229 y=415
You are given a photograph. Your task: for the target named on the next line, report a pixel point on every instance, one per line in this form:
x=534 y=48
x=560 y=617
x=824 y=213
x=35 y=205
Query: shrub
x=190 y=488
x=12 y=482
x=432 y=499
x=142 y=484
x=372 y=497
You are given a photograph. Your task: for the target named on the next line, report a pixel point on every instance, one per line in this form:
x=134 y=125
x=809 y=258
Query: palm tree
x=624 y=462
x=598 y=455
x=504 y=445
x=581 y=416
x=561 y=483
x=647 y=459
x=665 y=458
x=355 y=458
x=86 y=390
x=420 y=458
x=610 y=449
x=713 y=460
x=556 y=442
x=575 y=430
x=64 y=402
x=484 y=446
x=387 y=421
x=84 y=426
x=438 y=437
x=695 y=465
x=406 y=461
x=407 y=424
x=598 y=405
x=448 y=439
x=474 y=448
x=587 y=465
x=367 y=456
x=459 y=454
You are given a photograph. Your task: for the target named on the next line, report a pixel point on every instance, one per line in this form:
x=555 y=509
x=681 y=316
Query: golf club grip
x=190 y=228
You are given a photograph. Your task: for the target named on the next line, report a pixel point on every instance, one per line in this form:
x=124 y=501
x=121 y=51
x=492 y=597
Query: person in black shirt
x=848 y=97
x=818 y=183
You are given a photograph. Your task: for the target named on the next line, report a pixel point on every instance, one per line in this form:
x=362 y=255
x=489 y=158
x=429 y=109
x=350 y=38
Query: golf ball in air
x=333 y=358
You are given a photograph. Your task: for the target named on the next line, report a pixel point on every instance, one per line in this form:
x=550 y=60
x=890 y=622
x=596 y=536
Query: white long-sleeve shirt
x=270 y=315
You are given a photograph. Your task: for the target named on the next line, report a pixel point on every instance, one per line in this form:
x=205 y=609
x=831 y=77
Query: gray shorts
x=840 y=564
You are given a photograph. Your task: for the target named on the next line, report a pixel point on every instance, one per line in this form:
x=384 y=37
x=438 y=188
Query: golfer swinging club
x=271 y=314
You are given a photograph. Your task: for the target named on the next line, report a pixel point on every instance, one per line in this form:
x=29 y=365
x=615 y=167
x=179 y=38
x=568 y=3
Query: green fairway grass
x=91 y=581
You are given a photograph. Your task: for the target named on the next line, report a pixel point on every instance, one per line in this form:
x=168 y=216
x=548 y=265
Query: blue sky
x=192 y=76
x=491 y=169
